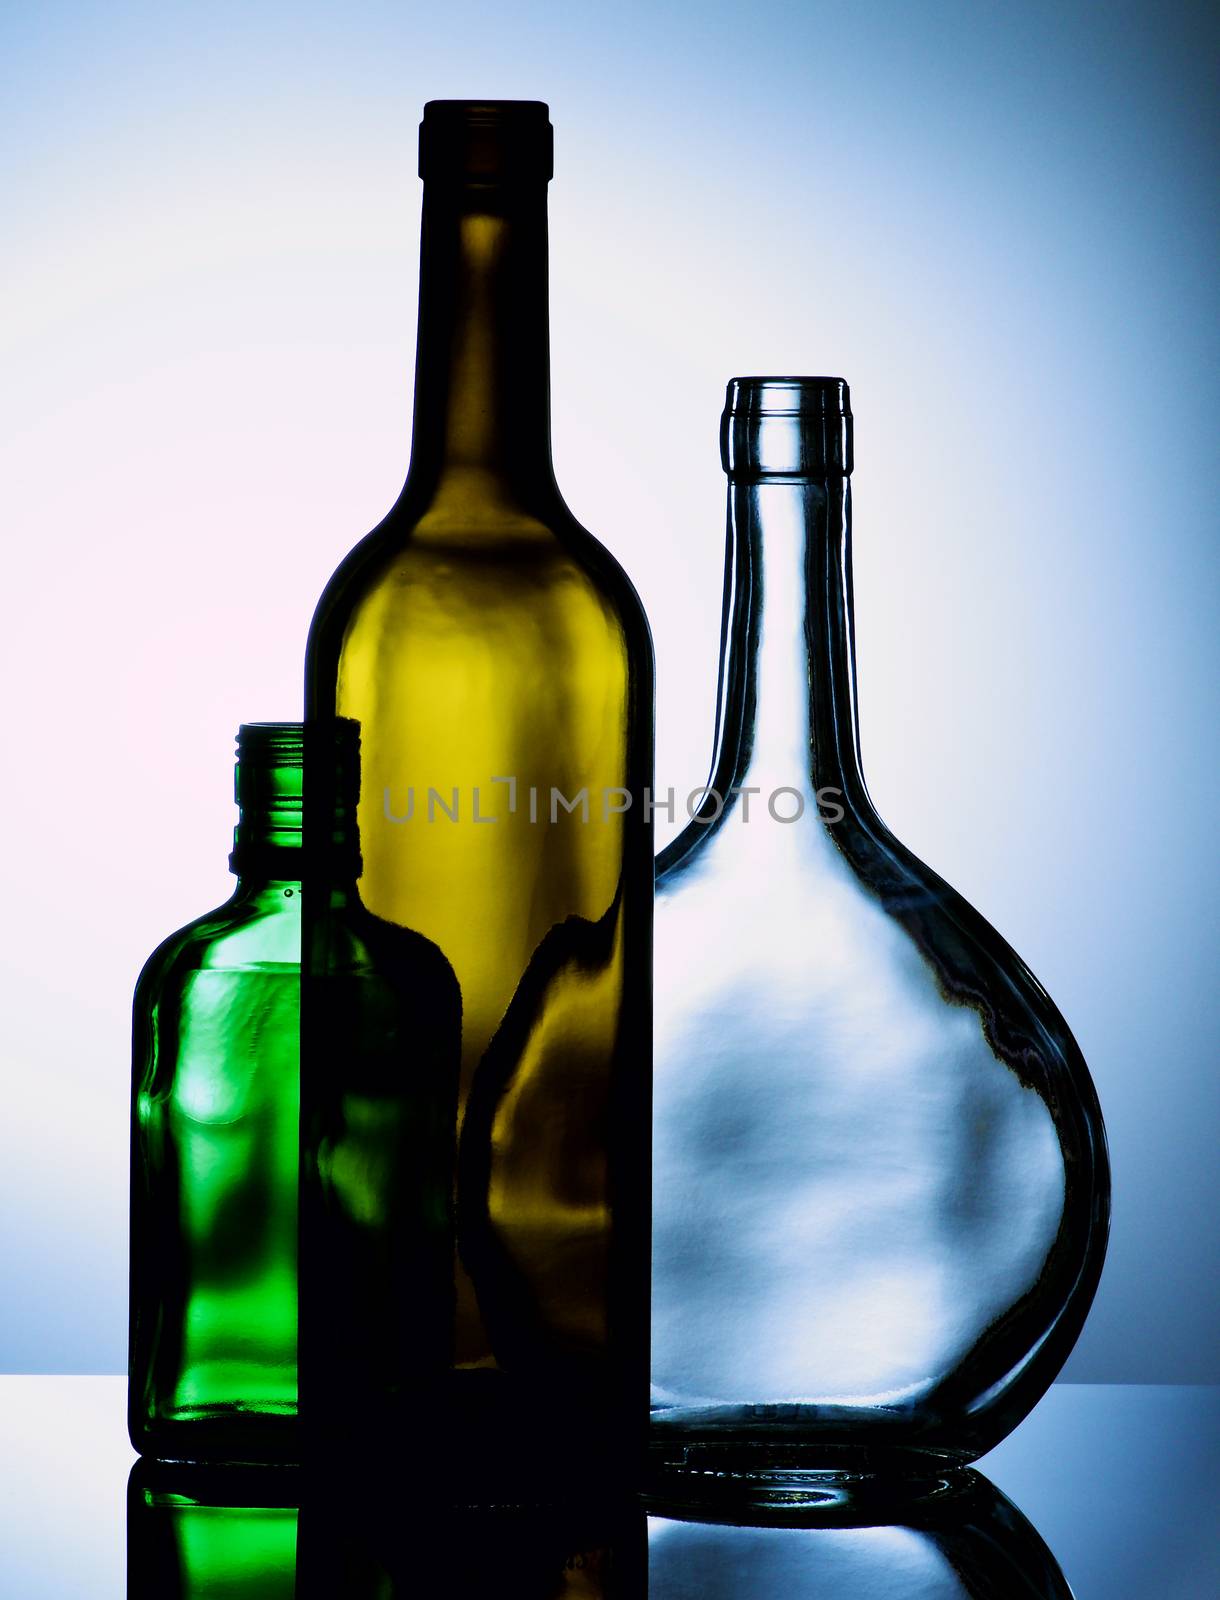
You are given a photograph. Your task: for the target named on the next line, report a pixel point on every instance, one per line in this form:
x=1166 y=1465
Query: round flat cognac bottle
x=881 y=1190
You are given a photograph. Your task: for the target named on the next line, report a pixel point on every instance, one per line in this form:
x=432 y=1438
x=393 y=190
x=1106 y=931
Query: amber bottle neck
x=482 y=372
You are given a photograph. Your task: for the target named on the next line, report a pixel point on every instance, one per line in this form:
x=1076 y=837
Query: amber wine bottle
x=499 y=667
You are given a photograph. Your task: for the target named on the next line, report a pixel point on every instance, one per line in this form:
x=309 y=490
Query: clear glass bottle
x=499 y=666
x=881 y=1189
x=214 y=1145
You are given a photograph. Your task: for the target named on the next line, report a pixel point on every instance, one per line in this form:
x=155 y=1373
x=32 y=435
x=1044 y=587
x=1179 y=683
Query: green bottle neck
x=279 y=895
x=482 y=372
x=269 y=786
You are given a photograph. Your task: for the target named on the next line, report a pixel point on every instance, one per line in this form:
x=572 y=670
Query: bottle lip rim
x=487 y=110
x=280 y=742
x=344 y=730
x=787 y=395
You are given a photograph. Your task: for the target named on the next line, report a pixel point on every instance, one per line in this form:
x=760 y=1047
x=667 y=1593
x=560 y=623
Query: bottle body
x=214 y=1153
x=499 y=667
x=381 y=1030
x=881 y=1189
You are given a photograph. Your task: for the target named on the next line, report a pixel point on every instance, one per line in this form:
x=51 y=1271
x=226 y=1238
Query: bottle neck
x=269 y=790
x=266 y=848
x=269 y=893
x=787 y=712
x=482 y=372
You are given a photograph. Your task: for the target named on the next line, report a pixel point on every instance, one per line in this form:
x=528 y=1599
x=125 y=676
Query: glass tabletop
x=1105 y=1492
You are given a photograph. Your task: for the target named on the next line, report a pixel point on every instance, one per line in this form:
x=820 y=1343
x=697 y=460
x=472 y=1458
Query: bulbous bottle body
x=880 y=1183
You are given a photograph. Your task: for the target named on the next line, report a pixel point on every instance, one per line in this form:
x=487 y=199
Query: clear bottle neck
x=482 y=373
x=787 y=738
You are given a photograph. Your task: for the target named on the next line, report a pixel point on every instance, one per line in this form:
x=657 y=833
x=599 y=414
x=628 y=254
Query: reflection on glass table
x=250 y=1534
x=1121 y=1484
x=201 y=1533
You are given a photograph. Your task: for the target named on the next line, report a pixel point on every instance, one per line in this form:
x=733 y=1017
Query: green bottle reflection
x=215 y=1099
x=243 y=1533
x=218 y=1532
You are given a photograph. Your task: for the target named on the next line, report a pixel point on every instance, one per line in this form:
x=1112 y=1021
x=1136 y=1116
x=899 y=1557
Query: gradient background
x=996 y=222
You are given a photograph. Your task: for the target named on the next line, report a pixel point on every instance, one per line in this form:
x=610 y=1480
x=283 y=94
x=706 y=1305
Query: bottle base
x=219 y=1436
x=787 y=1450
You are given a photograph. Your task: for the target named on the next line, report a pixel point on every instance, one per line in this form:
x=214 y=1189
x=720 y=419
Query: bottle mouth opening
x=788 y=397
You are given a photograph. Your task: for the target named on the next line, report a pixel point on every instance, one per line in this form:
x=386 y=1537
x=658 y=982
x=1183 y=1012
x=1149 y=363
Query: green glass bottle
x=215 y=1095
x=499 y=666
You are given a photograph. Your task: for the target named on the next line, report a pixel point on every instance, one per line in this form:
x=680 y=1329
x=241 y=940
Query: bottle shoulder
x=245 y=932
x=349 y=939
x=488 y=552
x=851 y=876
